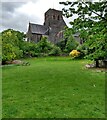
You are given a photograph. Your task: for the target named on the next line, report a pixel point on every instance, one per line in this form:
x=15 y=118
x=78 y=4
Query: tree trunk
x=105 y=63
x=96 y=63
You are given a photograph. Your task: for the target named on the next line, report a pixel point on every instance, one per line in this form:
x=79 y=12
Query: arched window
x=53 y=16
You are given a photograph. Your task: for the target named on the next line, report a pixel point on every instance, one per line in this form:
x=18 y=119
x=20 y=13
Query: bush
x=14 y=46
x=55 y=51
x=62 y=44
x=74 y=53
x=30 y=49
x=44 y=46
x=83 y=51
x=9 y=52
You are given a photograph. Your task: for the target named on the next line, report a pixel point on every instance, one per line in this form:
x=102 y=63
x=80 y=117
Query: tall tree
x=91 y=22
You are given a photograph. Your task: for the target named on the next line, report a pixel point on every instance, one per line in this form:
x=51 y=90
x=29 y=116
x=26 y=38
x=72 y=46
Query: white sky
x=18 y=14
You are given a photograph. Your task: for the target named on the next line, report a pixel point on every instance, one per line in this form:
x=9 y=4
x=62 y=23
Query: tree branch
x=94 y=12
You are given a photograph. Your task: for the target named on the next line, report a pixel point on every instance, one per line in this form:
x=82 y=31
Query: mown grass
x=54 y=87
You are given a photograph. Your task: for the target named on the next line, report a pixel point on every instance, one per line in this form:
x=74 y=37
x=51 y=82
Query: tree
x=11 y=41
x=91 y=22
x=68 y=43
x=71 y=44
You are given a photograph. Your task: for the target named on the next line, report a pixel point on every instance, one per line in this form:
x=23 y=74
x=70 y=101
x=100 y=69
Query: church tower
x=53 y=27
x=54 y=21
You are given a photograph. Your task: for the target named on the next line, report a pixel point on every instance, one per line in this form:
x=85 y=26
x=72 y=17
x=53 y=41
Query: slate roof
x=38 y=29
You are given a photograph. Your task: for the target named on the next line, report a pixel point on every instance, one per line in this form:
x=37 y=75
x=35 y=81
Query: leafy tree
x=71 y=44
x=9 y=52
x=11 y=41
x=91 y=22
x=97 y=46
x=13 y=37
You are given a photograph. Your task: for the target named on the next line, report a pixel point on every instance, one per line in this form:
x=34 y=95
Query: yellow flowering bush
x=74 y=53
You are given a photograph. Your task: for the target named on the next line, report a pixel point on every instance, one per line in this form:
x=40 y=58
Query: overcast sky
x=17 y=14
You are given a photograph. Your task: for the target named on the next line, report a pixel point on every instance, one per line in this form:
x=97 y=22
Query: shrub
x=55 y=51
x=44 y=46
x=62 y=44
x=9 y=52
x=83 y=51
x=30 y=49
x=74 y=53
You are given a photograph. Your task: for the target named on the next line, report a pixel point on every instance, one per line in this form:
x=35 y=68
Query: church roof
x=38 y=29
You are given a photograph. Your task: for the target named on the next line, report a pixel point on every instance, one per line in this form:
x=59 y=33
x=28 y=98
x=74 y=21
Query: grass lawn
x=53 y=87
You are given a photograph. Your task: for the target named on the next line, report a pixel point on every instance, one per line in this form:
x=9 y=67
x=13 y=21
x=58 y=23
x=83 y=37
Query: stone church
x=53 y=27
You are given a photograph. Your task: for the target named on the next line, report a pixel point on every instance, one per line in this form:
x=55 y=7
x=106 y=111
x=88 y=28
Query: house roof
x=39 y=29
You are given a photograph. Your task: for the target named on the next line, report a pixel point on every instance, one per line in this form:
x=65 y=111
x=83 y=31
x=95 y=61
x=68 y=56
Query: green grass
x=54 y=87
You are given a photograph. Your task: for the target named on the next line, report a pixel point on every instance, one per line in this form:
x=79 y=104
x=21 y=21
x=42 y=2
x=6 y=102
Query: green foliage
x=62 y=44
x=44 y=45
x=91 y=23
x=30 y=49
x=8 y=52
x=83 y=51
x=11 y=41
x=13 y=37
x=86 y=12
x=56 y=51
x=14 y=46
x=68 y=43
x=97 y=46
x=71 y=44
x=46 y=48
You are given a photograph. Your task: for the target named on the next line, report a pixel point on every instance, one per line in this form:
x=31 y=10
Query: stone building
x=53 y=27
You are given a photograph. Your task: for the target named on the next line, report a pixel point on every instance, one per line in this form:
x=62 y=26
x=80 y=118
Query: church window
x=53 y=16
x=58 y=17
